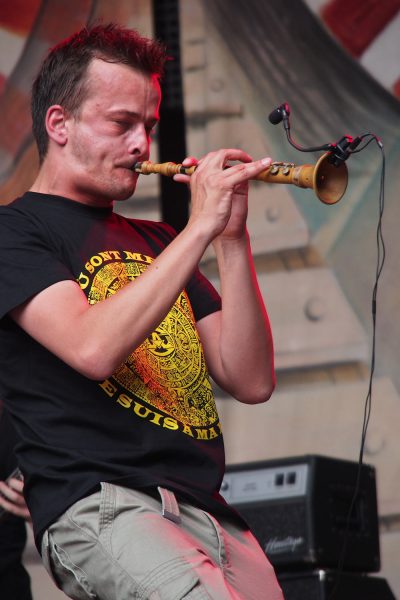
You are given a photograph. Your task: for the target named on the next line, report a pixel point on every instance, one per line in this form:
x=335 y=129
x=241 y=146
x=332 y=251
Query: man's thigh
x=116 y=544
x=248 y=571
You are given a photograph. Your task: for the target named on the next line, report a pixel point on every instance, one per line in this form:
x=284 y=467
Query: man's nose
x=139 y=141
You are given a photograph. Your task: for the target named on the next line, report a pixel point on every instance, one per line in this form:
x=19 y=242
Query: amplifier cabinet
x=298 y=509
x=330 y=585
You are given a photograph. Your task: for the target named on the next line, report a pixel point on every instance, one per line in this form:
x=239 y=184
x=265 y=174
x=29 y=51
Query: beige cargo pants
x=119 y=544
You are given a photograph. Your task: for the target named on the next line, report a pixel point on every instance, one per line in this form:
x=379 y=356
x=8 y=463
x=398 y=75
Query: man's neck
x=53 y=180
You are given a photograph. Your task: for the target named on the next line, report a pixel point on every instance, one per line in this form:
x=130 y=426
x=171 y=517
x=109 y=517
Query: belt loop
x=170 y=508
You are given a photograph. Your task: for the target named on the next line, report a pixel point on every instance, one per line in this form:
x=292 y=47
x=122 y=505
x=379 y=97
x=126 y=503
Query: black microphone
x=280 y=114
x=339 y=152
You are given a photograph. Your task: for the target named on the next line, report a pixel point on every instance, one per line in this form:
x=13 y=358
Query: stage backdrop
x=337 y=65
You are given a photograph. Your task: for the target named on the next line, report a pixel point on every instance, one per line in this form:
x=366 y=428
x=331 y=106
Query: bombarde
x=328 y=181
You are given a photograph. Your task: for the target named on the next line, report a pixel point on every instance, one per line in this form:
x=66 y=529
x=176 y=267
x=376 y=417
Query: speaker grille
x=298 y=510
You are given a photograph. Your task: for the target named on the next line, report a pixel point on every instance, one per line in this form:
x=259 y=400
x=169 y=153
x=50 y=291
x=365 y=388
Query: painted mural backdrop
x=369 y=31
x=337 y=65
x=310 y=55
x=336 y=62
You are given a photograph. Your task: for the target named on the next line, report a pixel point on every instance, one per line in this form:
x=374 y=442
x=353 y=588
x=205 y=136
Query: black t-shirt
x=154 y=422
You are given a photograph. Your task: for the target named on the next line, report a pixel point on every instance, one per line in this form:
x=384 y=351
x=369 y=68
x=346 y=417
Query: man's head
x=63 y=78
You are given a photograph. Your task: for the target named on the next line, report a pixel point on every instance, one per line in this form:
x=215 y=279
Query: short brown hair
x=61 y=79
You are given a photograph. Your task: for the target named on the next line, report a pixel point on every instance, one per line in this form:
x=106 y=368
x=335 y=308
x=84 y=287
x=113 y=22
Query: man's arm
x=237 y=340
x=95 y=340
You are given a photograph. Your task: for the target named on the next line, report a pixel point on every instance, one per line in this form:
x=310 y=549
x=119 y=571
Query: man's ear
x=56 y=124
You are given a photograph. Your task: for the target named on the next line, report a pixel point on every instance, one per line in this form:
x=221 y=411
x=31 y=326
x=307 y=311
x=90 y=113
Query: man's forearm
x=246 y=345
x=96 y=339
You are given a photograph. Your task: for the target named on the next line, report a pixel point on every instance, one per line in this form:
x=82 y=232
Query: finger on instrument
x=190 y=161
x=244 y=171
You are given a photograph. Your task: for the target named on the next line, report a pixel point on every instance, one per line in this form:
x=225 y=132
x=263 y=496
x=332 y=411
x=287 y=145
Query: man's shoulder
x=22 y=205
x=12 y=206
x=16 y=211
x=159 y=229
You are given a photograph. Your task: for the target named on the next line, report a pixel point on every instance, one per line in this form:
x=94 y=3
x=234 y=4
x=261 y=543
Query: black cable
x=381 y=254
x=339 y=153
x=372 y=137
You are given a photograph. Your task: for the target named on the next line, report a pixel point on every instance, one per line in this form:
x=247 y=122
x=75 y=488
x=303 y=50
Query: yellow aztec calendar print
x=168 y=371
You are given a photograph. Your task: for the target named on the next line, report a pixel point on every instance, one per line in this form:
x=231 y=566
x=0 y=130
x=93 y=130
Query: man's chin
x=125 y=193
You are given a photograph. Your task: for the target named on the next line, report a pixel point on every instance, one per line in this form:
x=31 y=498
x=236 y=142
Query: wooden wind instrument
x=328 y=181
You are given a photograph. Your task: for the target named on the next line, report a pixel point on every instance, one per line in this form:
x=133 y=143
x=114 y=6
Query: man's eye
x=151 y=131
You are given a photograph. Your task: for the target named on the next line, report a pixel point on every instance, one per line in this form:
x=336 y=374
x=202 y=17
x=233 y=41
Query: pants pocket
x=197 y=593
x=46 y=560
x=62 y=569
x=174 y=580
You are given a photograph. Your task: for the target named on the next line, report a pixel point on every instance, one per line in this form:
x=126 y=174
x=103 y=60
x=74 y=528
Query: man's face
x=111 y=132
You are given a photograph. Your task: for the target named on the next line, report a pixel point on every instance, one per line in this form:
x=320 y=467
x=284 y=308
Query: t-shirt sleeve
x=27 y=263
x=203 y=297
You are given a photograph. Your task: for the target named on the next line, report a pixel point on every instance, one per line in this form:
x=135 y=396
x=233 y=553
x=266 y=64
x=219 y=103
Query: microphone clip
x=341 y=151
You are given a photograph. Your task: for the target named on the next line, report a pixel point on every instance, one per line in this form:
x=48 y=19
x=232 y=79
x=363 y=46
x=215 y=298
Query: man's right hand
x=219 y=193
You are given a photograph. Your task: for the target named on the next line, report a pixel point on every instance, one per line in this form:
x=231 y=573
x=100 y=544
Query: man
x=105 y=357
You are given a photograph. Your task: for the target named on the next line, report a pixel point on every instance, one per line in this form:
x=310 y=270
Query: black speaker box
x=299 y=510
x=330 y=585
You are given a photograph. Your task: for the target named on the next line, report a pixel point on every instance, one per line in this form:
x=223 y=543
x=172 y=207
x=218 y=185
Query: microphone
x=339 y=152
x=280 y=114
